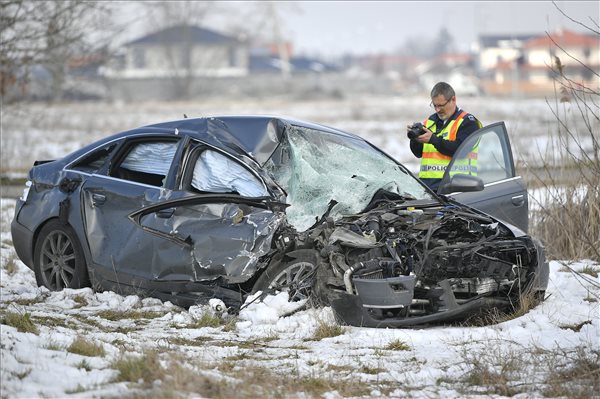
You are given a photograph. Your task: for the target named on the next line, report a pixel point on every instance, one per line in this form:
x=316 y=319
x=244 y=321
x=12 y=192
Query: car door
x=487 y=155
x=137 y=177
x=219 y=226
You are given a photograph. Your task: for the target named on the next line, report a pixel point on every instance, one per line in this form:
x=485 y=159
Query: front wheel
x=58 y=258
x=294 y=277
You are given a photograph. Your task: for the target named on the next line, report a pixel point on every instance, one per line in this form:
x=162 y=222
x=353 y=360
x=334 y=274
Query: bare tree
x=264 y=22
x=45 y=33
x=184 y=14
x=248 y=22
x=425 y=47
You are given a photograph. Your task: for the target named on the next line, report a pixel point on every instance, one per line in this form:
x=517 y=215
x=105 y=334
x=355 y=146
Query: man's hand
x=424 y=138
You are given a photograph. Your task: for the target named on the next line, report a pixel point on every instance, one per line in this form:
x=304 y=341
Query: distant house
x=264 y=64
x=500 y=49
x=269 y=59
x=181 y=50
x=527 y=66
x=573 y=49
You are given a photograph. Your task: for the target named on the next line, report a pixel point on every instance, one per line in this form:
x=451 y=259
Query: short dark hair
x=444 y=89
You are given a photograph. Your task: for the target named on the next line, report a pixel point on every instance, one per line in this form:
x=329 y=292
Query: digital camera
x=415 y=130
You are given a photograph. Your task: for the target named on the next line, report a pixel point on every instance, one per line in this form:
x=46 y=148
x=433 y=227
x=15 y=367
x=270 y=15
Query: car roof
x=254 y=135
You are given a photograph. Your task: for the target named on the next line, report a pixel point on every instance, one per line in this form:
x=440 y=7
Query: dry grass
x=490 y=374
x=198 y=341
x=27 y=302
x=492 y=316
x=84 y=365
x=80 y=301
x=180 y=378
x=577 y=326
x=568 y=219
x=493 y=378
x=577 y=377
x=591 y=270
x=83 y=347
x=397 y=345
x=326 y=330
x=507 y=369
x=114 y=315
x=569 y=225
x=143 y=370
x=263 y=382
x=50 y=321
x=208 y=319
x=21 y=321
x=23 y=374
x=53 y=346
x=11 y=265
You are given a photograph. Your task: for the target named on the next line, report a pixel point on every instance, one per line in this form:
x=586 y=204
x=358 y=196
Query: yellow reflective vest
x=434 y=163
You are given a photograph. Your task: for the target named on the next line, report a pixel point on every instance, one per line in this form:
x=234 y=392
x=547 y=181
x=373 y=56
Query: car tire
x=58 y=258
x=294 y=276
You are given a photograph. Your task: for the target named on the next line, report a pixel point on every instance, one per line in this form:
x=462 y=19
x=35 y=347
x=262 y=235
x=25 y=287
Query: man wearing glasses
x=441 y=134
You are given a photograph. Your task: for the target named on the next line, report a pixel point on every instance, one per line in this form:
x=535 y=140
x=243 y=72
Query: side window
x=486 y=156
x=216 y=173
x=94 y=161
x=147 y=162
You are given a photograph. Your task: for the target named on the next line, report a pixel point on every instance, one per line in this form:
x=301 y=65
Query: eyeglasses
x=436 y=106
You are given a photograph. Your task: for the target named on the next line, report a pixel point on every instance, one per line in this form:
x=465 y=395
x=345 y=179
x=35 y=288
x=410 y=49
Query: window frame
x=128 y=145
x=191 y=157
x=110 y=148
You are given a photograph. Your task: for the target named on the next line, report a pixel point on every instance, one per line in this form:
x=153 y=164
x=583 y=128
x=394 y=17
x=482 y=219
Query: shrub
x=568 y=215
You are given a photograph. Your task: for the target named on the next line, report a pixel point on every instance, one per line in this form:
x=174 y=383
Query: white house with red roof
x=579 y=54
x=530 y=67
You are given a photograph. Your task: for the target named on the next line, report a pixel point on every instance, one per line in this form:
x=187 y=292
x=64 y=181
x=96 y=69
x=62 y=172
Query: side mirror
x=461 y=183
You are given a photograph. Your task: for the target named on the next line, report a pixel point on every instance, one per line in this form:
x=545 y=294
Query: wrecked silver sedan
x=223 y=207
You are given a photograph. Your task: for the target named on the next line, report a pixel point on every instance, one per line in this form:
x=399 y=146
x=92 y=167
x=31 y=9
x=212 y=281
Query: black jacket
x=446 y=147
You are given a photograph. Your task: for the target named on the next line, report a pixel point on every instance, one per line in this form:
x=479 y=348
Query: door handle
x=165 y=213
x=518 y=200
x=98 y=199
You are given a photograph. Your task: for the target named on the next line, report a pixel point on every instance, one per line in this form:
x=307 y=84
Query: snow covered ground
x=78 y=343
x=86 y=344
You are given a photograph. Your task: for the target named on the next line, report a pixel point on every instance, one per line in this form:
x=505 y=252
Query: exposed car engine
x=403 y=262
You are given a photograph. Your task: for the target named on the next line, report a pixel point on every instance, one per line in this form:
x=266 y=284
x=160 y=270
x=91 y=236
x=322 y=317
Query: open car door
x=484 y=166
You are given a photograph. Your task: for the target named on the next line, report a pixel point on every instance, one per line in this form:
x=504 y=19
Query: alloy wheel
x=296 y=280
x=57 y=261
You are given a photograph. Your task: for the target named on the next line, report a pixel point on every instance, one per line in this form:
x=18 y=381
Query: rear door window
x=146 y=162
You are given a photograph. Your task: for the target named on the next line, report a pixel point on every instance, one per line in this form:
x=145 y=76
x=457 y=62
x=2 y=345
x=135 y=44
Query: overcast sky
x=338 y=27
x=334 y=28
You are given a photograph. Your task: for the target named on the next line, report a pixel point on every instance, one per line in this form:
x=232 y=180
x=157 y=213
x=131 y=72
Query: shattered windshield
x=315 y=167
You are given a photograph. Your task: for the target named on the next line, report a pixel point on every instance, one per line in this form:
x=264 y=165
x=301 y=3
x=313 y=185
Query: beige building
x=179 y=51
x=496 y=49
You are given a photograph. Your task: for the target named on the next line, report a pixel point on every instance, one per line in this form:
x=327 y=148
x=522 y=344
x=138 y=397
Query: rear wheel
x=294 y=277
x=58 y=258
